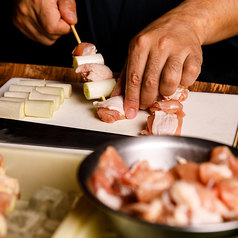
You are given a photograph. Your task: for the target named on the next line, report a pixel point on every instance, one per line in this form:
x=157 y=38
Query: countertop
x=10 y=70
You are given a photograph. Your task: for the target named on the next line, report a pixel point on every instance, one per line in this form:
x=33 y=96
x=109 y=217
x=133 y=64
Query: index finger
x=135 y=70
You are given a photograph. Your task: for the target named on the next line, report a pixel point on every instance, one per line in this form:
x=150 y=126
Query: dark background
x=220 y=60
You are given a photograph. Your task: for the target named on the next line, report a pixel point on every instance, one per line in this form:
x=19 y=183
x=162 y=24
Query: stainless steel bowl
x=150 y=148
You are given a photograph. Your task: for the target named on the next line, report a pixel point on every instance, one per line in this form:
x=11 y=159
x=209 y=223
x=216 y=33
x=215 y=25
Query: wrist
x=197 y=17
x=212 y=20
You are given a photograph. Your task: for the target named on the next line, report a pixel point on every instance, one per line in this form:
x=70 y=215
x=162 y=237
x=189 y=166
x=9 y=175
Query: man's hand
x=168 y=51
x=44 y=21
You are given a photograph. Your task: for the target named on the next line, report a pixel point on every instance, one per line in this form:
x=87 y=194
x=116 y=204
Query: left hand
x=44 y=21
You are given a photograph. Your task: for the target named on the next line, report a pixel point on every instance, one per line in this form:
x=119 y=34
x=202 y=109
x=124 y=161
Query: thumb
x=67 y=9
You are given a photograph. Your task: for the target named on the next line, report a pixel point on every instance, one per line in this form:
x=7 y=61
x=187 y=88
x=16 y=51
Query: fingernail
x=130 y=113
x=72 y=15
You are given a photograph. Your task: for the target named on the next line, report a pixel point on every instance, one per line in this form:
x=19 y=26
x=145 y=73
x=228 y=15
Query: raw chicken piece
x=151 y=212
x=166 y=117
x=137 y=172
x=112 y=163
x=228 y=192
x=223 y=155
x=187 y=194
x=180 y=94
x=171 y=106
x=207 y=195
x=7 y=202
x=203 y=216
x=148 y=183
x=154 y=211
x=94 y=72
x=108 y=199
x=153 y=184
x=180 y=216
x=184 y=193
x=110 y=110
x=2 y=168
x=84 y=48
x=161 y=123
x=100 y=179
x=123 y=190
x=107 y=177
x=225 y=212
x=9 y=185
x=188 y=171
x=198 y=200
x=220 y=155
x=136 y=208
x=213 y=173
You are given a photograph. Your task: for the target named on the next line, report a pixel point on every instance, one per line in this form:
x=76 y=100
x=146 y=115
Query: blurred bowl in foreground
x=149 y=148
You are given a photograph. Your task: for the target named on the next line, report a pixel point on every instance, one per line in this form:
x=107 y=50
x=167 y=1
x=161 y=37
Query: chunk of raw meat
x=110 y=110
x=84 y=48
x=94 y=72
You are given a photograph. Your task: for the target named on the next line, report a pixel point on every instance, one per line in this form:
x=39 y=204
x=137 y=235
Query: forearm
x=213 y=20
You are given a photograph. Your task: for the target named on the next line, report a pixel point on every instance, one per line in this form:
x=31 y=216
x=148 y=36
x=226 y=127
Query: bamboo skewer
x=75 y=34
x=235 y=143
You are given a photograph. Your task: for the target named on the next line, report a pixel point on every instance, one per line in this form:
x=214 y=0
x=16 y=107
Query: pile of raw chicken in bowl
x=164 y=186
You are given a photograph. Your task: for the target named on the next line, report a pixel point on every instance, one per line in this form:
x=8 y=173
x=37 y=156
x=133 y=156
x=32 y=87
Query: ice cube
x=51 y=225
x=24 y=222
x=50 y=201
x=42 y=233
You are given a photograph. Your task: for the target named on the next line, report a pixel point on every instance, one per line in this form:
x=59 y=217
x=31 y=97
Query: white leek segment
x=86 y=59
x=32 y=82
x=21 y=88
x=35 y=95
x=99 y=89
x=14 y=94
x=53 y=91
x=66 y=86
x=12 y=99
x=3 y=226
x=12 y=110
x=84 y=221
x=39 y=108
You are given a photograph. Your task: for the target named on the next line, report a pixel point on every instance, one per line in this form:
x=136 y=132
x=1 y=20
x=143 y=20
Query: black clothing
x=110 y=25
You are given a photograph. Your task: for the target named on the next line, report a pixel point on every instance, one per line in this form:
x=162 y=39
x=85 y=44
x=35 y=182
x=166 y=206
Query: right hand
x=44 y=21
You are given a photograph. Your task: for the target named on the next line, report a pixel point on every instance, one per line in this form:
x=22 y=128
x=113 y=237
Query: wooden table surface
x=10 y=70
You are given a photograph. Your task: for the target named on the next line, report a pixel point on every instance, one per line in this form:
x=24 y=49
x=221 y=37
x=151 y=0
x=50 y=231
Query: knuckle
x=23 y=9
x=170 y=80
x=134 y=80
x=163 y=42
x=193 y=70
x=140 y=42
x=50 y=29
x=151 y=83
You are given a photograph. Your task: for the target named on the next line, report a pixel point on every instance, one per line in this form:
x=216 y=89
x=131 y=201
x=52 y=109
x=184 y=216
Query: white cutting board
x=208 y=115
